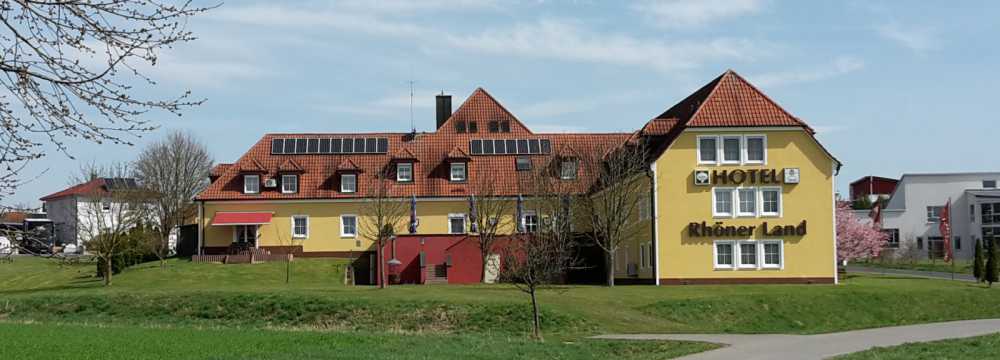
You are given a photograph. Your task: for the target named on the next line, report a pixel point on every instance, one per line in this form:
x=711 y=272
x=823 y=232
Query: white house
x=77 y=211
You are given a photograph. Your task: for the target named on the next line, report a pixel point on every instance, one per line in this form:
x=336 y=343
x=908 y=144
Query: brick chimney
x=443 y=109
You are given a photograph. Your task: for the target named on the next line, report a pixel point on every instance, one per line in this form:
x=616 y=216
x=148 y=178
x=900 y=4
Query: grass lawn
x=48 y=341
x=980 y=347
x=255 y=299
x=961 y=267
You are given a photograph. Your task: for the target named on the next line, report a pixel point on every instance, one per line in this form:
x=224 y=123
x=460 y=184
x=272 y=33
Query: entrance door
x=245 y=236
x=935 y=247
x=492 y=268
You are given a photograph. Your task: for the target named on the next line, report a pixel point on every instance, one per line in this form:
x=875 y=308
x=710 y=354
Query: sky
x=891 y=87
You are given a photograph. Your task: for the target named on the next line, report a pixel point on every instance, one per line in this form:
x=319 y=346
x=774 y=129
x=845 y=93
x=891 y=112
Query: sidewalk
x=822 y=346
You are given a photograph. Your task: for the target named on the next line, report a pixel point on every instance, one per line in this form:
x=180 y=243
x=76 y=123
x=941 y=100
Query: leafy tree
x=857 y=238
x=862 y=203
x=977 y=264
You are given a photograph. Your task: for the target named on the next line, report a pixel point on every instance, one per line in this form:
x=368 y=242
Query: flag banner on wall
x=876 y=214
x=944 y=226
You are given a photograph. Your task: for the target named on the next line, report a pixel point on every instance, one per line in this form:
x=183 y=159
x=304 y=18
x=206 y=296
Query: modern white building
x=81 y=208
x=912 y=216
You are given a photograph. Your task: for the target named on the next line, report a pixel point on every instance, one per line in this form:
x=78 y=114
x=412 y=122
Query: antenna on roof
x=412 y=128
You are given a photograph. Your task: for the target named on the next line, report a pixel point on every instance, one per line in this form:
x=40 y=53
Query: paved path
x=751 y=347
x=914 y=273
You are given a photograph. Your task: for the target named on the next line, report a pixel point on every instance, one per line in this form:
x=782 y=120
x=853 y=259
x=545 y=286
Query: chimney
x=443 y=109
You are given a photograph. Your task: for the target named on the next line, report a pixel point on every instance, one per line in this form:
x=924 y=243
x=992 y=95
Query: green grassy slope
x=980 y=347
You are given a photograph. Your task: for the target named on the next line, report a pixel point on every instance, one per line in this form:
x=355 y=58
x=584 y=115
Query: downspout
x=833 y=190
x=653 y=217
x=201 y=225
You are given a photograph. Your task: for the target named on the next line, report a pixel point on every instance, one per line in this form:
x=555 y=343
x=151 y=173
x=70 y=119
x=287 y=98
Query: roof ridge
x=767 y=98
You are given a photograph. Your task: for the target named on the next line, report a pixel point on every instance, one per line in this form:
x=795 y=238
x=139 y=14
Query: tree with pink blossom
x=857 y=238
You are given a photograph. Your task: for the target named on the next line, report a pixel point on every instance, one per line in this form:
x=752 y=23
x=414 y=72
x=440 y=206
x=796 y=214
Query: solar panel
x=500 y=147
x=383 y=145
x=277 y=146
x=533 y=146
x=324 y=146
x=371 y=145
x=313 y=147
x=476 y=147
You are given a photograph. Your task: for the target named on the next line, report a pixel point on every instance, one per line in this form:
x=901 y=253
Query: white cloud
x=840 y=66
x=390 y=105
x=914 y=38
x=285 y=16
x=557 y=107
x=695 y=13
x=561 y=40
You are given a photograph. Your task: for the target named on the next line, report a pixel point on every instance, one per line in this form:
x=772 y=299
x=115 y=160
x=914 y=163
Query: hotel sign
x=719 y=229
x=743 y=177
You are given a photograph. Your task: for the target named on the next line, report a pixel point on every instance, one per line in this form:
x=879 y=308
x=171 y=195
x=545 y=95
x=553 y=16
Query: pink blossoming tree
x=857 y=238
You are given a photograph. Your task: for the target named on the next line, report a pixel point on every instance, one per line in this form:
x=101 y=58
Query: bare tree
x=175 y=169
x=538 y=258
x=613 y=209
x=382 y=213
x=491 y=218
x=109 y=213
x=70 y=69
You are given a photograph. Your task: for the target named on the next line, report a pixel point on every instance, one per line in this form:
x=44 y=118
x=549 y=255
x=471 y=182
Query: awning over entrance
x=241 y=218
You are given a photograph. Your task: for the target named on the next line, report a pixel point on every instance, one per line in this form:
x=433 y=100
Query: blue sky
x=891 y=87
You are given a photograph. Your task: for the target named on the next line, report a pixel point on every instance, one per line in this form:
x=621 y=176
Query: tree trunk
x=485 y=256
x=107 y=271
x=288 y=270
x=611 y=268
x=381 y=266
x=537 y=325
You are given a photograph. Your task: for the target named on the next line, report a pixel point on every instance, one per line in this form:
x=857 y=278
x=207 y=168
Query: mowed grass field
x=980 y=347
x=233 y=304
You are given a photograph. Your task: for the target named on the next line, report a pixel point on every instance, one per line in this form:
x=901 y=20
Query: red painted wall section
x=466 y=264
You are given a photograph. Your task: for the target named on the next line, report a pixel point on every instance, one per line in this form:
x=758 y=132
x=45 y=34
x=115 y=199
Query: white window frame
x=344 y=234
x=739 y=254
x=761 y=191
x=722 y=149
x=284 y=182
x=465 y=225
x=456 y=165
x=732 y=202
x=524 y=220
x=256 y=233
x=343 y=188
x=763 y=254
x=643 y=212
x=738 y=198
x=247 y=182
x=746 y=149
x=642 y=256
x=300 y=236
x=937 y=218
x=563 y=167
x=400 y=172
x=698 y=149
x=715 y=254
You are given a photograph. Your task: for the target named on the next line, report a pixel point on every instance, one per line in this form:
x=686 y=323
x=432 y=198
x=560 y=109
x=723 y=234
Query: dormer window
x=458 y=171
x=473 y=127
x=505 y=126
x=289 y=184
x=348 y=183
x=251 y=184
x=460 y=127
x=404 y=172
x=567 y=170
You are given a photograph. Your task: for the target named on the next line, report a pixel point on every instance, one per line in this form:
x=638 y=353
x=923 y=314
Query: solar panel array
x=510 y=146
x=120 y=183
x=300 y=146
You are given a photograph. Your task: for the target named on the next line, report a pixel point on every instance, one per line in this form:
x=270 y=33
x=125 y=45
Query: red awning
x=241 y=218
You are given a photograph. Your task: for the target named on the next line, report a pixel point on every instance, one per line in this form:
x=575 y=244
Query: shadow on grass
x=82 y=282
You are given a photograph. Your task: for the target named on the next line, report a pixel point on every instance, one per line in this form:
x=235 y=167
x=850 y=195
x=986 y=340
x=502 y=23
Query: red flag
x=876 y=214
x=944 y=226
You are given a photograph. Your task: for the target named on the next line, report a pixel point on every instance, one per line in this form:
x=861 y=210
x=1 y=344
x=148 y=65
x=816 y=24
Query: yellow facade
x=680 y=202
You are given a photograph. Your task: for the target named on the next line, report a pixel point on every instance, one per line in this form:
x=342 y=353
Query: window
x=458 y=171
x=245 y=235
x=529 y=221
x=708 y=149
x=493 y=126
x=731 y=149
x=473 y=127
x=348 y=183
x=456 y=223
x=652 y=255
x=106 y=205
x=567 y=170
x=643 y=259
x=348 y=225
x=722 y=199
x=748 y=202
x=755 y=153
x=770 y=201
x=289 y=184
x=404 y=172
x=523 y=163
x=643 y=206
x=920 y=243
x=251 y=184
x=505 y=126
x=934 y=213
x=990 y=213
x=460 y=127
x=892 y=237
x=724 y=252
x=300 y=226
x=989 y=184
x=958 y=243
x=748 y=254
x=772 y=256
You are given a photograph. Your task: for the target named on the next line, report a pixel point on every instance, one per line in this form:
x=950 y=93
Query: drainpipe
x=653 y=217
x=201 y=224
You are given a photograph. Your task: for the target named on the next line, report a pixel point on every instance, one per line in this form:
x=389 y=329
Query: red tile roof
x=92 y=187
x=289 y=166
